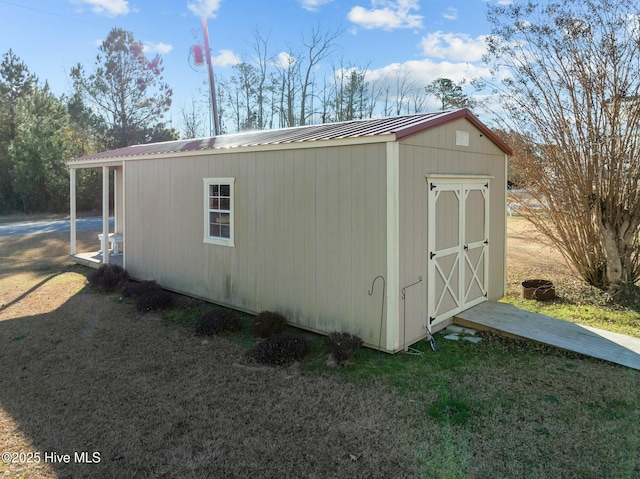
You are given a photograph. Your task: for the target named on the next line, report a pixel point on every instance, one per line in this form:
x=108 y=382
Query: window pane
x=218 y=204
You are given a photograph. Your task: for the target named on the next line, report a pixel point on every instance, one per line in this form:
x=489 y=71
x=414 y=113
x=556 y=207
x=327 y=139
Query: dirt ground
x=129 y=395
x=526 y=246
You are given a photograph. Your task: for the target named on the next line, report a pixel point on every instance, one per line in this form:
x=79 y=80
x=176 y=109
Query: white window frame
x=215 y=239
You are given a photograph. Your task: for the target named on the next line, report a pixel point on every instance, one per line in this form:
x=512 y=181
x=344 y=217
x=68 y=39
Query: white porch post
x=105 y=215
x=72 y=207
x=117 y=200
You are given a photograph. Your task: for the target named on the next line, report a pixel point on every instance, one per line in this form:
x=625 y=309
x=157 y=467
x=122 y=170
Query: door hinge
x=466 y=247
x=431 y=319
x=432 y=186
x=432 y=255
x=486 y=241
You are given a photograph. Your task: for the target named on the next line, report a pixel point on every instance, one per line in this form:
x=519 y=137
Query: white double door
x=458 y=246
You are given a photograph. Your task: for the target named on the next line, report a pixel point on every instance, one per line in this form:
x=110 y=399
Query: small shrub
x=218 y=321
x=134 y=290
x=153 y=300
x=280 y=348
x=268 y=323
x=343 y=346
x=108 y=277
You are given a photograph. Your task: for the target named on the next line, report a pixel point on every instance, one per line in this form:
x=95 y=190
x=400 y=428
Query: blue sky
x=424 y=39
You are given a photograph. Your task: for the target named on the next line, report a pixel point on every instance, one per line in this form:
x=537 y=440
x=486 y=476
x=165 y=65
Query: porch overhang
x=117 y=167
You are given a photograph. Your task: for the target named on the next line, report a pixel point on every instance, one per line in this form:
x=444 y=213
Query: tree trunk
x=618 y=244
x=615 y=270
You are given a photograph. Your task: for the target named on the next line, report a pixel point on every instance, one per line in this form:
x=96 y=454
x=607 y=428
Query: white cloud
x=454 y=46
x=313 y=5
x=387 y=14
x=204 y=8
x=450 y=13
x=225 y=58
x=423 y=72
x=110 y=8
x=284 y=60
x=159 y=47
x=416 y=74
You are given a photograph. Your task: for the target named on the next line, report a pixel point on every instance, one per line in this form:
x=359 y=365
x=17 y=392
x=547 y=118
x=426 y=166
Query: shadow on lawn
x=152 y=400
x=29 y=291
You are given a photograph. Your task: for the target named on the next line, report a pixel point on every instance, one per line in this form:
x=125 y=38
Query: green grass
x=509 y=408
x=186 y=316
x=613 y=318
x=500 y=408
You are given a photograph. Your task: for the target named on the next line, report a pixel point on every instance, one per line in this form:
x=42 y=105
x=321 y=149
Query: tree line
x=120 y=103
x=290 y=89
x=122 y=100
x=566 y=87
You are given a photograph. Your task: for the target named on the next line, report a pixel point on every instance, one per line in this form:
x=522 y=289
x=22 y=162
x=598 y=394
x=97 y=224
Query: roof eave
x=451 y=116
x=117 y=160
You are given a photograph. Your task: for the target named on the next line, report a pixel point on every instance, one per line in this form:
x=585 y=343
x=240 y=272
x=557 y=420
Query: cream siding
x=314 y=225
x=310 y=232
x=434 y=152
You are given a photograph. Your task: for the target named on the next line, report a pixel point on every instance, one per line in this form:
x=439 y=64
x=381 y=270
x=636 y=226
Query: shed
x=303 y=220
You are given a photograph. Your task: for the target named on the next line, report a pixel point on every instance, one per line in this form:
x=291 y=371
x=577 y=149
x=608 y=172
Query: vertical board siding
x=310 y=232
x=307 y=209
x=413 y=243
x=435 y=152
x=310 y=228
x=375 y=238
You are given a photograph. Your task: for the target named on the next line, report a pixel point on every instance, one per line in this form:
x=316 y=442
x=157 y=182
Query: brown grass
x=81 y=371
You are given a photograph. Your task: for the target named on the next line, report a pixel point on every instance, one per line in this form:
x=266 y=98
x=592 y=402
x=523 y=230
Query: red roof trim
x=446 y=117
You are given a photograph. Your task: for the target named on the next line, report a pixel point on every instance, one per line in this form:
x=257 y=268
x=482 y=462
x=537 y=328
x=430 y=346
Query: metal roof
x=401 y=126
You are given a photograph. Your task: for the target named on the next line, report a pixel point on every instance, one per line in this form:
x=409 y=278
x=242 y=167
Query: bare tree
x=246 y=79
x=404 y=85
x=375 y=91
x=572 y=89
x=260 y=49
x=386 y=109
x=288 y=69
x=193 y=120
x=417 y=99
x=318 y=46
x=348 y=97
